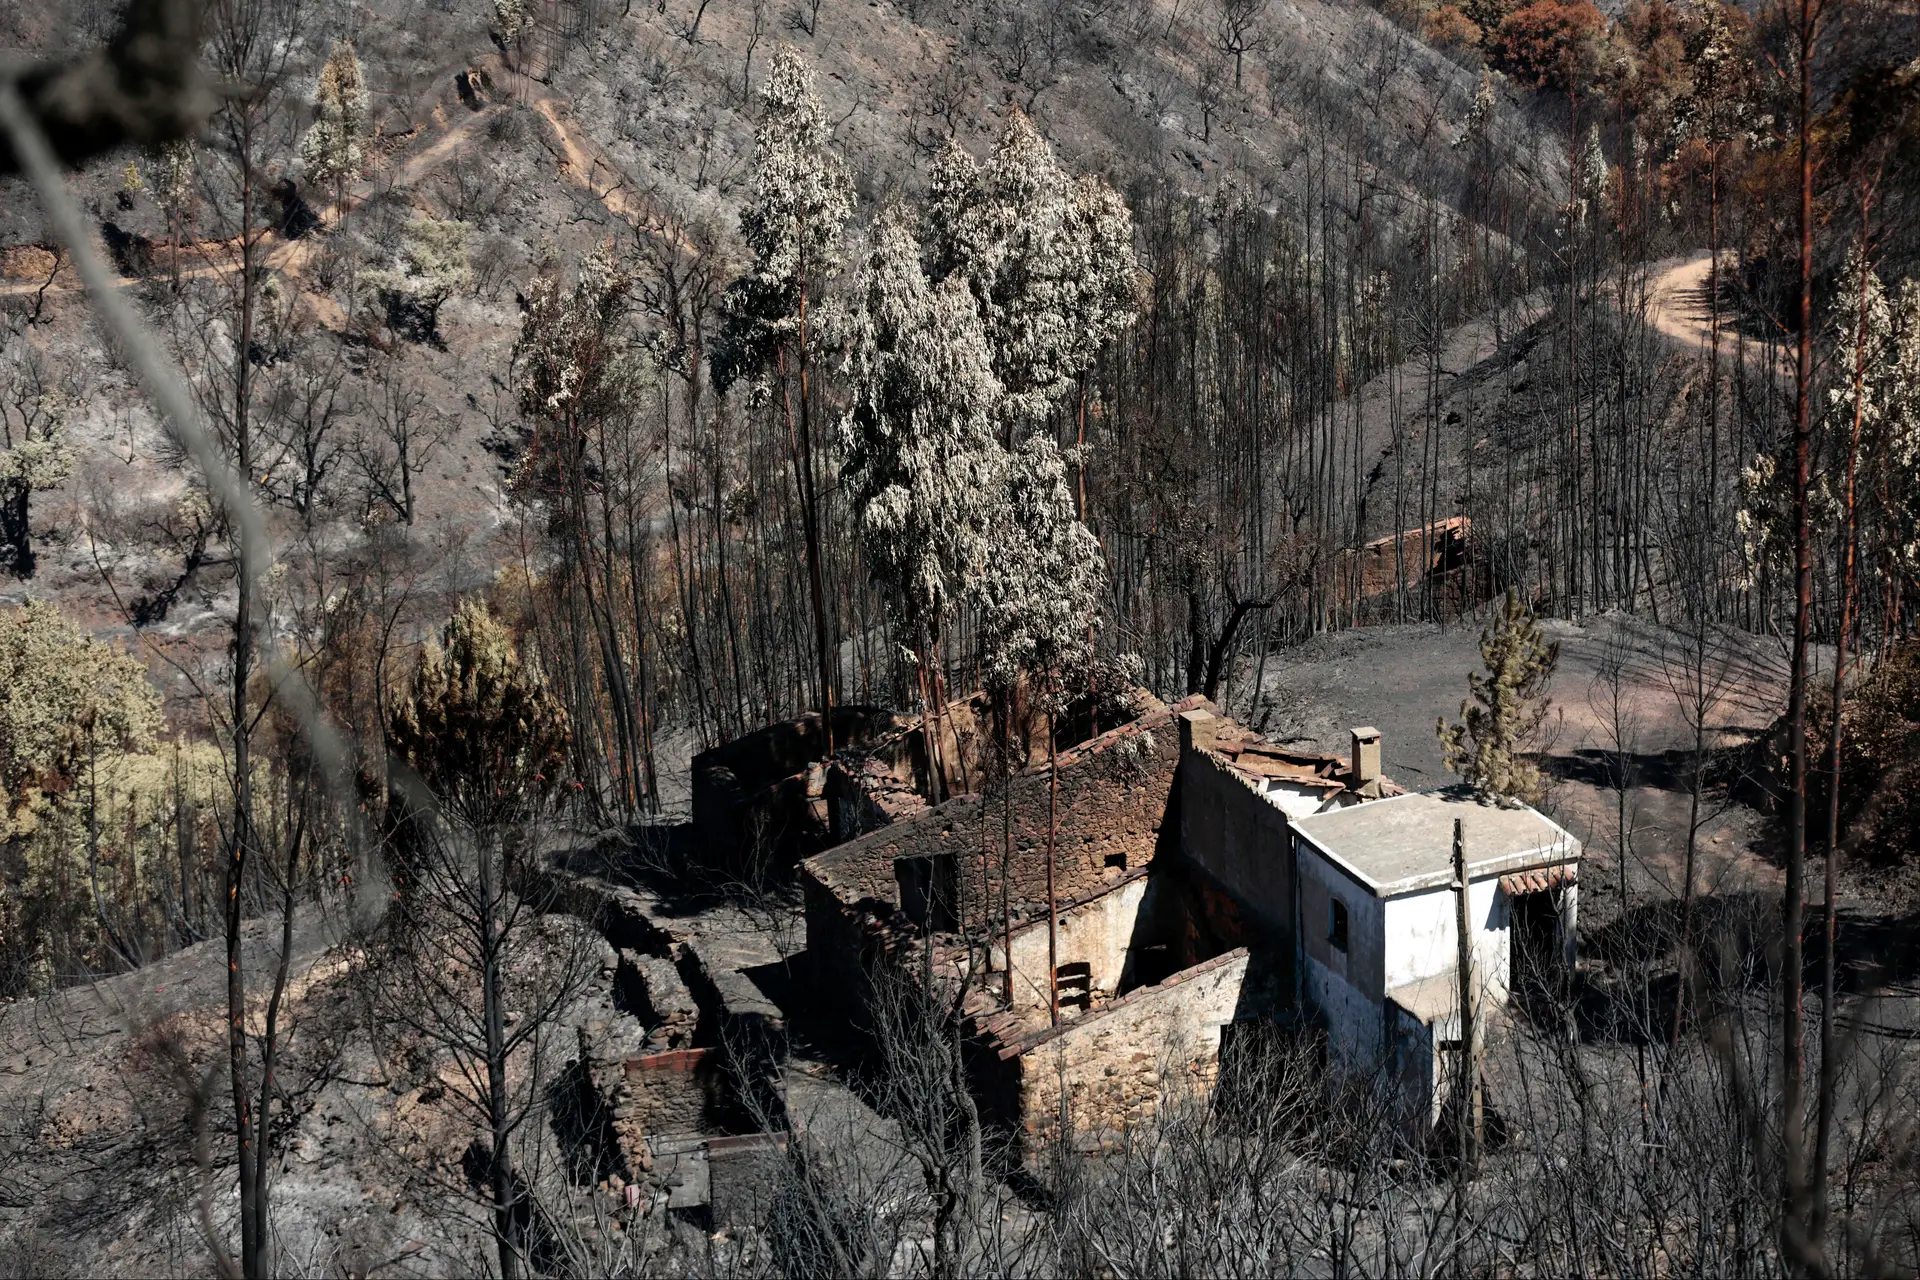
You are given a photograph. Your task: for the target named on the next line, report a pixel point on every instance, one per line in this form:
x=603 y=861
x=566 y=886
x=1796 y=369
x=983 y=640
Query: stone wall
x=1187 y=917
x=1111 y=806
x=622 y=915
x=1120 y=1065
x=672 y=1092
x=745 y=1176
x=1231 y=831
x=654 y=992
x=752 y=1030
x=760 y=801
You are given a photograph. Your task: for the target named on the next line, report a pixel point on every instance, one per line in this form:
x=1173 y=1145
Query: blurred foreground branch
x=143 y=86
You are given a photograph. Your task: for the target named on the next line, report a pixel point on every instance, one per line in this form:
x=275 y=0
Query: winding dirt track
x=581 y=161
x=1681 y=308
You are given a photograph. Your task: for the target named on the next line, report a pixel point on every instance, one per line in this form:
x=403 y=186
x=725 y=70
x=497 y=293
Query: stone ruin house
x=766 y=800
x=761 y=801
x=1440 y=560
x=1202 y=879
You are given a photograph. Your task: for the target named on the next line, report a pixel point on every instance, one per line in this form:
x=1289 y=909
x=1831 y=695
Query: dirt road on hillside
x=1681 y=308
x=452 y=129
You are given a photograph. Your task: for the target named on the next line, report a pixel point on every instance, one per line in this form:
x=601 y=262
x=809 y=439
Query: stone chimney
x=1198 y=730
x=1366 y=756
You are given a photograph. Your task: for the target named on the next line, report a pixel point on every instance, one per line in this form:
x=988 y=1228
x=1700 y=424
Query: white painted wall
x=1390 y=944
x=1296 y=801
x=1344 y=987
x=1353 y=1020
x=1422 y=941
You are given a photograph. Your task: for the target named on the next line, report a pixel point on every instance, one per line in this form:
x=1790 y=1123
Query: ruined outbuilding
x=766 y=800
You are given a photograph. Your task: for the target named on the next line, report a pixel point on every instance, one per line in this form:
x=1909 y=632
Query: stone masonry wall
x=1099 y=932
x=669 y=1093
x=1112 y=802
x=1119 y=1065
x=1240 y=839
x=658 y=996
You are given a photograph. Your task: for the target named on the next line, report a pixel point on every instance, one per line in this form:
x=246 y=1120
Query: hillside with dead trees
x=959 y=637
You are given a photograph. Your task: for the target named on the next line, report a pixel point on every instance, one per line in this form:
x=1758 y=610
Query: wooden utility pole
x=1053 y=905
x=1468 y=1080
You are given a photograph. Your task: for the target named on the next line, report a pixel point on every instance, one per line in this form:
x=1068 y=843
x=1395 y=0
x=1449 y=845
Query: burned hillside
x=937 y=638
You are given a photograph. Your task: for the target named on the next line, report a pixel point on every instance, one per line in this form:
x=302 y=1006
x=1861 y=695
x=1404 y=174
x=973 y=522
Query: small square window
x=1337 y=924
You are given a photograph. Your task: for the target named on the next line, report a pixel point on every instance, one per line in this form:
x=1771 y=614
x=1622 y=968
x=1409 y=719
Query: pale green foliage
x=1873 y=358
x=1594 y=173
x=102 y=859
x=1508 y=703
x=62 y=695
x=574 y=358
x=1862 y=337
x=173 y=186
x=333 y=150
x=34 y=451
x=430 y=267
x=1479 y=121
x=576 y=367
x=1764 y=517
x=1020 y=274
x=1720 y=101
x=478 y=725
x=512 y=19
x=1048 y=257
x=921 y=459
x=130 y=180
x=1039 y=591
x=432 y=261
x=793 y=222
x=802 y=195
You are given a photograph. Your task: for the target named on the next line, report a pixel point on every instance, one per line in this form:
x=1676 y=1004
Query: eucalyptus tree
x=921 y=462
x=1873 y=421
x=793 y=225
x=1047 y=256
x=334 y=148
x=1039 y=600
x=1047 y=261
x=578 y=372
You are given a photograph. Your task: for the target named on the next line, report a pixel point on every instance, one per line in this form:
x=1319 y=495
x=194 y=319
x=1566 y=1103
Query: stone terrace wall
x=656 y=993
x=1121 y=1064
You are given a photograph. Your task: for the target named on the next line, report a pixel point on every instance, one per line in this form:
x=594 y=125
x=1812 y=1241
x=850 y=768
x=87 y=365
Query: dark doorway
x=1534 y=930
